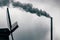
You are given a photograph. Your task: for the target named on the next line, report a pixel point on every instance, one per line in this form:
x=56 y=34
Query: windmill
x=11 y=27
x=5 y=32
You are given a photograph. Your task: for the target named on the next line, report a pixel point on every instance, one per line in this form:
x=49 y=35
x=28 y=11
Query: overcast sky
x=31 y=24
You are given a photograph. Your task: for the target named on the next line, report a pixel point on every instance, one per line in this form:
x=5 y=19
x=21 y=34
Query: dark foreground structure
x=4 y=34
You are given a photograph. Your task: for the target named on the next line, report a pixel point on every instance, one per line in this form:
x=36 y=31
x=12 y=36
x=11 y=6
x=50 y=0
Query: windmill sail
x=14 y=27
x=9 y=22
x=11 y=27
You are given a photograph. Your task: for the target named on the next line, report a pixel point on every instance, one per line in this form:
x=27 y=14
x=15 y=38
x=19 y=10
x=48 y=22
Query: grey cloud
x=4 y=2
x=38 y=34
x=50 y=2
x=47 y=0
x=56 y=1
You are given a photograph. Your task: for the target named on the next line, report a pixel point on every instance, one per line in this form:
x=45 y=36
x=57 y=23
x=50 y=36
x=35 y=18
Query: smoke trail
x=4 y=3
x=29 y=8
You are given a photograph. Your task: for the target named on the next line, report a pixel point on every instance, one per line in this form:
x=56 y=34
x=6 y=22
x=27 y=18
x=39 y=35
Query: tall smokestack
x=51 y=28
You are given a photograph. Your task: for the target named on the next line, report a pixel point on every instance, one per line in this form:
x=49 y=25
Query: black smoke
x=4 y=3
x=29 y=8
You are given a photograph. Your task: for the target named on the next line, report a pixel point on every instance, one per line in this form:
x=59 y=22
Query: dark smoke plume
x=4 y=3
x=29 y=8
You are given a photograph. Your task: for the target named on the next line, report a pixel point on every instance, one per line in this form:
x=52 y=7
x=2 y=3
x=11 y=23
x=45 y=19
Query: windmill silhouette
x=11 y=27
x=5 y=32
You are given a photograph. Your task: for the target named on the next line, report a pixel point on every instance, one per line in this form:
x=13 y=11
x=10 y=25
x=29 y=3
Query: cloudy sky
x=31 y=26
